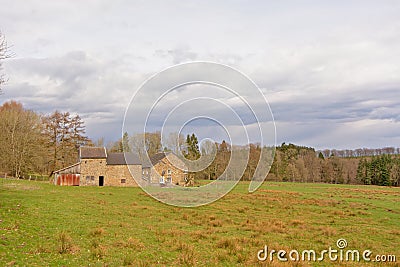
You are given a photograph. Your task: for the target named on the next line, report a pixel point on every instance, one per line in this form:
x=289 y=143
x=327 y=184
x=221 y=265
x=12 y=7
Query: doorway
x=101 y=180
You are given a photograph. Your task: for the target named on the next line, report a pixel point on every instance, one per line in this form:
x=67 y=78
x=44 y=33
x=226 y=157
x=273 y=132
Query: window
x=169 y=176
x=89 y=178
x=123 y=181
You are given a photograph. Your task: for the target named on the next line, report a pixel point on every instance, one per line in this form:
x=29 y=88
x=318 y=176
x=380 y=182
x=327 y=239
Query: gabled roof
x=154 y=159
x=158 y=157
x=170 y=157
x=120 y=159
x=65 y=168
x=87 y=152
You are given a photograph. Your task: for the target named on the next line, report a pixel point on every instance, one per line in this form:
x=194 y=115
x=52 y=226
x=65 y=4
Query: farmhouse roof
x=154 y=159
x=120 y=159
x=175 y=160
x=157 y=157
x=87 y=152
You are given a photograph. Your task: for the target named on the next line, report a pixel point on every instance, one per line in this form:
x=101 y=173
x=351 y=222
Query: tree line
x=360 y=152
x=304 y=164
x=33 y=143
x=291 y=163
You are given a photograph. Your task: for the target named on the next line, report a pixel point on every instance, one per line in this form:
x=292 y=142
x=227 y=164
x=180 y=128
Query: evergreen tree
x=361 y=170
x=385 y=177
x=193 y=151
x=125 y=143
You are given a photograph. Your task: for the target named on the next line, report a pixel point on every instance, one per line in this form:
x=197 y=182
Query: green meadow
x=46 y=225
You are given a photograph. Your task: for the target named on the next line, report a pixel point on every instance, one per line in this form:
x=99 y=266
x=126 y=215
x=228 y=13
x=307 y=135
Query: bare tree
x=21 y=140
x=99 y=142
x=136 y=142
x=175 y=142
x=122 y=145
x=65 y=134
x=143 y=143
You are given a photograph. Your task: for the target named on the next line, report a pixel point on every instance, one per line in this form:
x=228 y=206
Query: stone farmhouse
x=166 y=168
x=96 y=167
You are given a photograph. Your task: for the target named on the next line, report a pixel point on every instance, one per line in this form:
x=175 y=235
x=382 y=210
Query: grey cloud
x=347 y=103
x=329 y=70
x=74 y=82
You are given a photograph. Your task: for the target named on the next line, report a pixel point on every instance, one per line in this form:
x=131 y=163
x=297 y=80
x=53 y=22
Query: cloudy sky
x=329 y=69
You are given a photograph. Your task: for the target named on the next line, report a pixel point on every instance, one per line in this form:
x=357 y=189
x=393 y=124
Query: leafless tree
x=21 y=142
x=175 y=142
x=145 y=144
x=65 y=134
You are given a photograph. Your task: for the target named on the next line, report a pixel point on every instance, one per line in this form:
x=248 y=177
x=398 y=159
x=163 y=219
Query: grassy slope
x=42 y=224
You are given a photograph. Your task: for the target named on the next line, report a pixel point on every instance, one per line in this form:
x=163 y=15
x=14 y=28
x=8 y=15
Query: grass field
x=46 y=225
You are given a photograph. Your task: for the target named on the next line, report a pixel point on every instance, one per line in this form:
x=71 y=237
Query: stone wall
x=119 y=175
x=91 y=170
x=172 y=174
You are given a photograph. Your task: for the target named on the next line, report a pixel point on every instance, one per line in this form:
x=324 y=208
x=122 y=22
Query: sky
x=330 y=70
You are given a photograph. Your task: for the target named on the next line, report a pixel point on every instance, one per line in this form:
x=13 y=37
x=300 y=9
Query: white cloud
x=326 y=68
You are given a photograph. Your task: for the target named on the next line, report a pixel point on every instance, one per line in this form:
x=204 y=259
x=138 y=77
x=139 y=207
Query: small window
x=123 y=181
x=169 y=171
x=87 y=178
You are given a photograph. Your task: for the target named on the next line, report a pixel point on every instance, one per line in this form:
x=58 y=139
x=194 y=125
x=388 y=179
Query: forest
x=33 y=143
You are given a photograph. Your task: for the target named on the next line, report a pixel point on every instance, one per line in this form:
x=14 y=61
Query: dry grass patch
x=97 y=232
x=99 y=252
x=394 y=232
x=65 y=244
x=129 y=260
x=231 y=245
x=327 y=231
x=187 y=256
x=216 y=223
x=297 y=222
x=131 y=242
x=199 y=234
